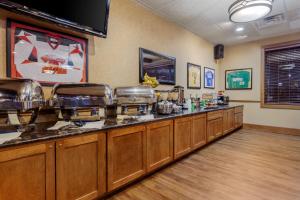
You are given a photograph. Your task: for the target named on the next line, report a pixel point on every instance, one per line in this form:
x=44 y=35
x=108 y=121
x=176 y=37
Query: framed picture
x=238 y=79
x=45 y=56
x=157 y=65
x=209 y=78
x=193 y=76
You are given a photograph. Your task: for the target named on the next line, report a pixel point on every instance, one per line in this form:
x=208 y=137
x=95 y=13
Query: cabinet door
x=126 y=155
x=182 y=136
x=159 y=144
x=214 y=129
x=238 y=120
x=28 y=172
x=231 y=120
x=199 y=131
x=219 y=127
x=228 y=121
x=81 y=164
x=211 y=130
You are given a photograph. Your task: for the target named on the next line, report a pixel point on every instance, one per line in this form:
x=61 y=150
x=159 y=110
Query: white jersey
x=48 y=59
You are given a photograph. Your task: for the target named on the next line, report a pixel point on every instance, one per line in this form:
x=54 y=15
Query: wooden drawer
x=214 y=115
x=238 y=109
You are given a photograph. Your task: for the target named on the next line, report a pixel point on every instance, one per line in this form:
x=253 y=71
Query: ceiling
x=210 y=20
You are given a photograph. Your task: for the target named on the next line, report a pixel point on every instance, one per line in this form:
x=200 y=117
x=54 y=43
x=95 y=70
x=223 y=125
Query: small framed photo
x=45 y=56
x=193 y=76
x=238 y=79
x=209 y=78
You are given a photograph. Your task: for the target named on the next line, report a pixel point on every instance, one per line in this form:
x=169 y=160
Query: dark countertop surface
x=38 y=133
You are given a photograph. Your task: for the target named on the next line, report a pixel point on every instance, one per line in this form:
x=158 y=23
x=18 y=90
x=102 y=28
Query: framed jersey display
x=238 y=79
x=45 y=56
x=209 y=78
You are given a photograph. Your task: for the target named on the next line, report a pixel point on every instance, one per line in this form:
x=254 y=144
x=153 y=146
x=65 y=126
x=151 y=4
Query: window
x=281 y=77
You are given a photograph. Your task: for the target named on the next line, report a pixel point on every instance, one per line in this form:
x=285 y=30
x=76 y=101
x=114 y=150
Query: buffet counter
x=88 y=163
x=41 y=132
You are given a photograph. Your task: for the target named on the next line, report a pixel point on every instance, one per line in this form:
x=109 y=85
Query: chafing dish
x=81 y=102
x=135 y=100
x=20 y=101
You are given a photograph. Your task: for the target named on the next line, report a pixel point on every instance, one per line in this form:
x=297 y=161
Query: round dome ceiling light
x=249 y=10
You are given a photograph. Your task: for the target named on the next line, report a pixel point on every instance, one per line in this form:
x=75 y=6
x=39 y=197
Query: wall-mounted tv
x=157 y=65
x=88 y=16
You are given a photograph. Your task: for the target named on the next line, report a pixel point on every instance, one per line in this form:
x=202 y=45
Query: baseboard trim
x=273 y=129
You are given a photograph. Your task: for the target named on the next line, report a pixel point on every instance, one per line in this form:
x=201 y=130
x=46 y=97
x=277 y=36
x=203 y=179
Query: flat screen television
x=157 y=65
x=88 y=16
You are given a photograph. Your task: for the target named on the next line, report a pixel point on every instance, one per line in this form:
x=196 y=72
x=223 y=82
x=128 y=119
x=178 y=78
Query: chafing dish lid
x=135 y=95
x=20 y=94
x=138 y=91
x=81 y=95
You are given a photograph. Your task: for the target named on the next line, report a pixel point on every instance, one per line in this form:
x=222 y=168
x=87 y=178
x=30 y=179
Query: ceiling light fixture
x=249 y=10
x=239 y=29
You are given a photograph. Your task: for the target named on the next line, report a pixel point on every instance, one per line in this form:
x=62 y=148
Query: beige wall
x=115 y=60
x=248 y=55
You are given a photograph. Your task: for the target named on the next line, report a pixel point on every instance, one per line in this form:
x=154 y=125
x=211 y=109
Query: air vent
x=271 y=21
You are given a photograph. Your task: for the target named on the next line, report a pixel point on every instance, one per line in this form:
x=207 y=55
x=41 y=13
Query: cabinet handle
x=50 y=146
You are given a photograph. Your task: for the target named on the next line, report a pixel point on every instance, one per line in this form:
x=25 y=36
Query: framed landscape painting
x=46 y=56
x=209 y=78
x=238 y=79
x=193 y=76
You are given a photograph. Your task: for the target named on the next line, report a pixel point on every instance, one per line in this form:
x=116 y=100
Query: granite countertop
x=38 y=133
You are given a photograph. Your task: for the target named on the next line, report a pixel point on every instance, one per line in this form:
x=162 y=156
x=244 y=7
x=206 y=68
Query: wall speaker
x=219 y=51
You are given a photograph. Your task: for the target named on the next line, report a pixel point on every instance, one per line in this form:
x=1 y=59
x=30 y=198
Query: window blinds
x=282 y=75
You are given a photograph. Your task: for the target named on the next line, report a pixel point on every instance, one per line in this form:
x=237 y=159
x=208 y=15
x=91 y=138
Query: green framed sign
x=238 y=79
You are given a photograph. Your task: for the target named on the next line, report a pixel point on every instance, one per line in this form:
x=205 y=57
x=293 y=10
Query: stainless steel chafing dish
x=20 y=101
x=135 y=100
x=81 y=102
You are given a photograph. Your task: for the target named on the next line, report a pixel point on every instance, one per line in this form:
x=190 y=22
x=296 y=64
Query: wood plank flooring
x=245 y=165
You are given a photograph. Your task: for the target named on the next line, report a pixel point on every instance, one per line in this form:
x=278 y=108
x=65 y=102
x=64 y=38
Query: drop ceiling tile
x=295 y=24
x=185 y=10
x=292 y=4
x=281 y=28
x=155 y=4
x=278 y=7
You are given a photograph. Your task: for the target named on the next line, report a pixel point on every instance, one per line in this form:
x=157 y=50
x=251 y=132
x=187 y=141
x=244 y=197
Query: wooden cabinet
x=28 y=172
x=198 y=131
x=238 y=116
x=214 y=125
x=182 y=136
x=238 y=120
x=81 y=167
x=228 y=120
x=159 y=144
x=126 y=155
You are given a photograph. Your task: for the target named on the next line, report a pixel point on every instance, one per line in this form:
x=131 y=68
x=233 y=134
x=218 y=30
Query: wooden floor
x=245 y=165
